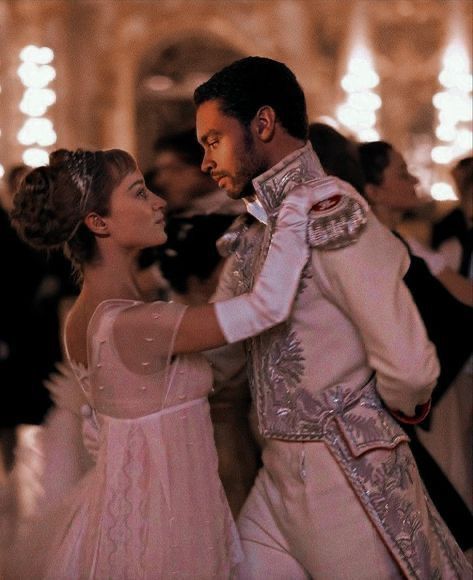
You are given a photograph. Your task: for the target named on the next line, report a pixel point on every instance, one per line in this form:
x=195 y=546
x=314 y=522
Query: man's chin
x=237 y=190
x=235 y=193
x=232 y=194
x=239 y=193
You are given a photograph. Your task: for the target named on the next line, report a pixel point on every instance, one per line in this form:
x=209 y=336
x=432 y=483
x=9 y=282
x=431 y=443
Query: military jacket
x=353 y=348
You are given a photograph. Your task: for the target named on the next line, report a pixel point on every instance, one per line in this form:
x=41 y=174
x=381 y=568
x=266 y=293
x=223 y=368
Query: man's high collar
x=272 y=186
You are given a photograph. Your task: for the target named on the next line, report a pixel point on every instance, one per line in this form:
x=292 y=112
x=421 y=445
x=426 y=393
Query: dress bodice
x=139 y=375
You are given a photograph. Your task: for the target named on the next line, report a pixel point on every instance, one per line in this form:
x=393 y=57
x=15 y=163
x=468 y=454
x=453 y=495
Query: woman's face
x=136 y=217
x=398 y=187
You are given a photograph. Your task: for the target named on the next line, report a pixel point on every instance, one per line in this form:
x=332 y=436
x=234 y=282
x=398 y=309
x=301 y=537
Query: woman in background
x=444 y=300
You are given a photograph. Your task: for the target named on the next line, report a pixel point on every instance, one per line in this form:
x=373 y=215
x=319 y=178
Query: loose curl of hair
x=50 y=206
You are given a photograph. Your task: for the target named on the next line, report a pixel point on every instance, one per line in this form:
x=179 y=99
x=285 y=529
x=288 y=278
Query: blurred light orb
x=445 y=132
x=368 y=135
x=35 y=102
x=36 y=76
x=35 y=157
x=442 y=154
x=35 y=54
x=442 y=191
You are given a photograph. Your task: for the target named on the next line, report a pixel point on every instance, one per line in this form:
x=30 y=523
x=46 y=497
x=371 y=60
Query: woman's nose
x=159 y=203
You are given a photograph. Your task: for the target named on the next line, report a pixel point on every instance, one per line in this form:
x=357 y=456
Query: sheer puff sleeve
x=144 y=335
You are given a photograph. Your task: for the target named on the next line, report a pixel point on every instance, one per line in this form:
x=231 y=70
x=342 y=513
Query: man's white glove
x=270 y=301
x=90 y=431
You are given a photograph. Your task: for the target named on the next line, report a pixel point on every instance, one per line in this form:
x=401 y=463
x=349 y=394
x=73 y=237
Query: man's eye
x=213 y=144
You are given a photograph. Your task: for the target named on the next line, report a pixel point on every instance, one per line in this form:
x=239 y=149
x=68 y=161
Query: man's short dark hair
x=248 y=84
x=184 y=144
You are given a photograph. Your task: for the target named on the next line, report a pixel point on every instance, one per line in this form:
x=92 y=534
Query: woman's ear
x=96 y=224
x=264 y=123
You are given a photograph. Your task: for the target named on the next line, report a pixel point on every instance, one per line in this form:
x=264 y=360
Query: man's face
x=230 y=153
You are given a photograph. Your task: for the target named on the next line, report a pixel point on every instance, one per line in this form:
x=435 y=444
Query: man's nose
x=207 y=163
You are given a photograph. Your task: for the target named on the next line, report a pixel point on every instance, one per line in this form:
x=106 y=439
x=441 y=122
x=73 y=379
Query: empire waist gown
x=153 y=506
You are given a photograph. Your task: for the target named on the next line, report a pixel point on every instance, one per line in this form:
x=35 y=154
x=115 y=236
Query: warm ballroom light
x=38 y=55
x=35 y=157
x=357 y=113
x=35 y=102
x=454 y=106
x=442 y=191
x=37 y=131
x=36 y=76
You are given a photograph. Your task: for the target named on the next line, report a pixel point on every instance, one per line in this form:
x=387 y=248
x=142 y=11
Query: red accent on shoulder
x=327 y=204
x=421 y=413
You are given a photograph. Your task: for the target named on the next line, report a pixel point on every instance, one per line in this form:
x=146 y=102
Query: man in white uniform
x=339 y=495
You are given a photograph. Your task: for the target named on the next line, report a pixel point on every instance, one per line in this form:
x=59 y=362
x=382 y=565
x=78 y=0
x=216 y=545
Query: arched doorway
x=167 y=77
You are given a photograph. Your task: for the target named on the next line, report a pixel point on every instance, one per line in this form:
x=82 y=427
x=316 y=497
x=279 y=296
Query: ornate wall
x=106 y=52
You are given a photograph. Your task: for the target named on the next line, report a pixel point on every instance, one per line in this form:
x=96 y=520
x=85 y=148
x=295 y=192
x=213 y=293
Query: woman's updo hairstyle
x=52 y=201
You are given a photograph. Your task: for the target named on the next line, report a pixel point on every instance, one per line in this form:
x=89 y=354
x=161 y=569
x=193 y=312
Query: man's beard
x=250 y=166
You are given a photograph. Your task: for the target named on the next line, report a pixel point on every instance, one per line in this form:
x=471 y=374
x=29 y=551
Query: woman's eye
x=142 y=193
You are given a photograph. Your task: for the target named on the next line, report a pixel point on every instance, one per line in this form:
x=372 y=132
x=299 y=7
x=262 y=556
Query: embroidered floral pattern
x=243 y=262
x=387 y=482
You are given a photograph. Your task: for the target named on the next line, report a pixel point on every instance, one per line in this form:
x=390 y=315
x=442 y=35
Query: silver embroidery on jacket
x=372 y=450
x=228 y=242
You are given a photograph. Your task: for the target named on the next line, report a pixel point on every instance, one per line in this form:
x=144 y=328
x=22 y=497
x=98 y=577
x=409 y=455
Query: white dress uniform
x=339 y=494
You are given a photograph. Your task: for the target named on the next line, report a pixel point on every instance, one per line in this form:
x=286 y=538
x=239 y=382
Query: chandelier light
x=357 y=113
x=454 y=106
x=37 y=133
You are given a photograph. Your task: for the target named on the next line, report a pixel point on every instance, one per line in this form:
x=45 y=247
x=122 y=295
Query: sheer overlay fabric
x=153 y=506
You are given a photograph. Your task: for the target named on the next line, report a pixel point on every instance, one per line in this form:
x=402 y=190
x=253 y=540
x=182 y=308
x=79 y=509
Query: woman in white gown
x=153 y=506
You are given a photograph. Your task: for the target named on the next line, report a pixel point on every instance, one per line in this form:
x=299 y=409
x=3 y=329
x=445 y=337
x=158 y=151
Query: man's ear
x=96 y=224
x=264 y=123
